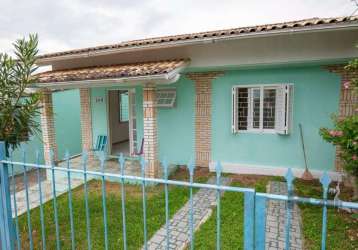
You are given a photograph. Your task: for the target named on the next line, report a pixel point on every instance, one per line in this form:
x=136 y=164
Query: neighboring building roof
x=225 y=33
x=112 y=71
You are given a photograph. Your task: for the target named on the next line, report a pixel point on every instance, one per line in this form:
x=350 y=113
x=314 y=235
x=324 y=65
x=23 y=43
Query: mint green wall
x=176 y=126
x=67 y=127
x=316 y=97
x=67 y=122
x=99 y=111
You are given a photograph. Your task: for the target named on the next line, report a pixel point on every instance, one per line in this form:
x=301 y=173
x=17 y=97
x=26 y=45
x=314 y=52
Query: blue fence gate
x=255 y=204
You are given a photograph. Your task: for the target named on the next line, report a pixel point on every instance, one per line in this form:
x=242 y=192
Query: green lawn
x=342 y=229
x=155 y=216
x=232 y=219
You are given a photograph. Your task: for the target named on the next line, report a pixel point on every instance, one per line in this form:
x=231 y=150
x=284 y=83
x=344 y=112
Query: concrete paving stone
x=179 y=224
x=34 y=195
x=276 y=220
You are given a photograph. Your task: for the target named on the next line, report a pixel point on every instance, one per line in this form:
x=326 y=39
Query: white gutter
x=162 y=79
x=199 y=41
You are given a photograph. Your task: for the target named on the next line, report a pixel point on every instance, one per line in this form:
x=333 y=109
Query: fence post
x=249 y=220
x=260 y=222
x=6 y=223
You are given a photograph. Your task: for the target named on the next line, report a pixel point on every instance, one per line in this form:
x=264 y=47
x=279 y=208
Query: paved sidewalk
x=276 y=219
x=34 y=194
x=204 y=201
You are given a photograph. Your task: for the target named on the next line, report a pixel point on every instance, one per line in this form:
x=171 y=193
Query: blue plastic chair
x=101 y=143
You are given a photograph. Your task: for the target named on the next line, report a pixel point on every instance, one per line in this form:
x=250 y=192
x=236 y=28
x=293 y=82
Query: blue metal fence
x=254 y=203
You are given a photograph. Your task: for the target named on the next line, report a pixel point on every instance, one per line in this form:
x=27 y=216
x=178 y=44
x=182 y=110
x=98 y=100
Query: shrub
x=345 y=131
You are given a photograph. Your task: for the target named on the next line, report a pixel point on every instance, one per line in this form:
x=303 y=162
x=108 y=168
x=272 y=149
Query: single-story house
x=237 y=96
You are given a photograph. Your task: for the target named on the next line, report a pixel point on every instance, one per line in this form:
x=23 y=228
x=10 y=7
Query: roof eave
x=161 y=79
x=330 y=27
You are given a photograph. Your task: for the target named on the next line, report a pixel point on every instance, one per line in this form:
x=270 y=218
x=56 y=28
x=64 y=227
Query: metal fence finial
x=325 y=181
x=37 y=156
x=84 y=156
x=23 y=154
x=11 y=151
x=102 y=157
x=143 y=164
x=52 y=156
x=67 y=155
x=191 y=167
x=165 y=168
x=218 y=169
x=289 y=178
x=121 y=161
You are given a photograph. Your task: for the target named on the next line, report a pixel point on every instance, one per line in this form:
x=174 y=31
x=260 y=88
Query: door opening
x=119 y=121
x=122 y=122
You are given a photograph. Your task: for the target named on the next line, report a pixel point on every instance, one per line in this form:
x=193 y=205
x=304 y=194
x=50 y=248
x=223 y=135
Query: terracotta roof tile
x=296 y=25
x=112 y=71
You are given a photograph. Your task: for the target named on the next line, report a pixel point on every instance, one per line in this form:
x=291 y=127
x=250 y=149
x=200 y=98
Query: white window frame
x=120 y=93
x=170 y=105
x=288 y=114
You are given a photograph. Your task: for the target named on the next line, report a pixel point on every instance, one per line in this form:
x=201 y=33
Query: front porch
x=101 y=91
x=132 y=167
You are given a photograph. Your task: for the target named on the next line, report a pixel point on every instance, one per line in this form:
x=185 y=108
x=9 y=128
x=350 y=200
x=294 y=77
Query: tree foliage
x=345 y=131
x=18 y=106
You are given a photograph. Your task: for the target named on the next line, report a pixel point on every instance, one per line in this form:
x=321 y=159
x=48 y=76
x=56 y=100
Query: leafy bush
x=345 y=131
x=18 y=106
x=345 y=135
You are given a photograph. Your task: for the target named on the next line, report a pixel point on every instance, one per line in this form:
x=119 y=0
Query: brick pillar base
x=347 y=102
x=48 y=127
x=86 y=121
x=150 y=132
x=203 y=116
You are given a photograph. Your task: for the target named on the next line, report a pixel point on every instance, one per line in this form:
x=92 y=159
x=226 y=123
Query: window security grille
x=262 y=108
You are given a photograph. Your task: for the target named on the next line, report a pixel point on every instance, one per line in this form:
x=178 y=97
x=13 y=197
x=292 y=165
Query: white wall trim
x=238 y=168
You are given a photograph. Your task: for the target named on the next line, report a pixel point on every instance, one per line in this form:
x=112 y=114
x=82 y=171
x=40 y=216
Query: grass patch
x=342 y=227
x=232 y=219
x=155 y=215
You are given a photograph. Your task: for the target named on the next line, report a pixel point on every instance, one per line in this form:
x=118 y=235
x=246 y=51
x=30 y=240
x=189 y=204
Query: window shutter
x=289 y=108
x=283 y=109
x=234 y=111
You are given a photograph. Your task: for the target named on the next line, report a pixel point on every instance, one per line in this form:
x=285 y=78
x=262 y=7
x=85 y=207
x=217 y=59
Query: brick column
x=347 y=102
x=86 y=120
x=203 y=116
x=150 y=131
x=48 y=127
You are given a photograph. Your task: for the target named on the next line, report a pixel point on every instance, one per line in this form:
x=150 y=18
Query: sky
x=71 y=24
